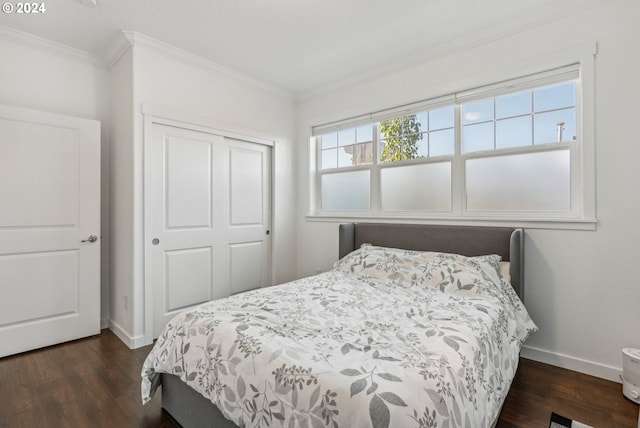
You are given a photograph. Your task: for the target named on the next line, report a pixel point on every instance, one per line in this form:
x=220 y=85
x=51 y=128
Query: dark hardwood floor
x=539 y=389
x=95 y=382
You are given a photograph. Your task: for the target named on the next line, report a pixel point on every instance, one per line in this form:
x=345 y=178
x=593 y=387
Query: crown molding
x=17 y=37
x=118 y=46
x=125 y=41
x=129 y=39
x=488 y=35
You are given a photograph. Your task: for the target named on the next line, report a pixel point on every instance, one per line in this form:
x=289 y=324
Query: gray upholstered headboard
x=466 y=240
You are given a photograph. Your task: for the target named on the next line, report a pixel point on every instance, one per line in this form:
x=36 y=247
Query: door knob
x=92 y=238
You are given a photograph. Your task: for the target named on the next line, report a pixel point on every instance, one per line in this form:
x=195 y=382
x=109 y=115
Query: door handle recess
x=92 y=238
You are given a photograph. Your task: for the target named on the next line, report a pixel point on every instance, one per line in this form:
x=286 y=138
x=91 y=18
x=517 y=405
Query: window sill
x=527 y=223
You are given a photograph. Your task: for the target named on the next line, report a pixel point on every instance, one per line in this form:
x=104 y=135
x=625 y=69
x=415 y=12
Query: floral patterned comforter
x=388 y=338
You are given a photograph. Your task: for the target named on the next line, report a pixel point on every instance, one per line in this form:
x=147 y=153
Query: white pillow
x=505 y=271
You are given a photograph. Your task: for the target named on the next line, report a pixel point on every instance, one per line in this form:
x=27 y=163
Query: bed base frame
x=188 y=407
x=191 y=410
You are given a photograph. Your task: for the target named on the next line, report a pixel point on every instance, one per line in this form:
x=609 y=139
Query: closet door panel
x=207 y=218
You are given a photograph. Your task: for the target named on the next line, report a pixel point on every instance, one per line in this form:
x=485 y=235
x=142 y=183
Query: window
x=504 y=151
x=537 y=116
x=353 y=146
x=537 y=178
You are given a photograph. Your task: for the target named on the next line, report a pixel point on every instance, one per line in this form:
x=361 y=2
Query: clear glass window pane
x=390 y=129
x=329 y=159
x=477 y=111
x=525 y=182
x=514 y=132
x=442 y=143
x=422 y=119
x=554 y=97
x=402 y=125
x=346 y=136
x=410 y=125
x=345 y=156
x=477 y=137
x=362 y=153
x=513 y=104
x=441 y=118
x=346 y=191
x=423 y=146
x=400 y=148
x=329 y=140
x=364 y=134
x=547 y=126
x=424 y=187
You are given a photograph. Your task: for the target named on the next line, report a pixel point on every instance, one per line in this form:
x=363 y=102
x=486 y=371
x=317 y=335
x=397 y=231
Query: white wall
x=54 y=78
x=581 y=287
x=122 y=195
x=40 y=80
x=167 y=79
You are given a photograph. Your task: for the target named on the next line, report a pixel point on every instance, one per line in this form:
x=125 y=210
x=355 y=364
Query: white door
x=248 y=219
x=49 y=229
x=207 y=218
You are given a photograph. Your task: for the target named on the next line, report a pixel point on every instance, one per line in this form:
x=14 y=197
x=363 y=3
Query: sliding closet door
x=49 y=229
x=247 y=226
x=207 y=218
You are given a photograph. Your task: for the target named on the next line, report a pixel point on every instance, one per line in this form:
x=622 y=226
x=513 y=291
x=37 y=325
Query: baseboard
x=572 y=363
x=104 y=323
x=132 y=342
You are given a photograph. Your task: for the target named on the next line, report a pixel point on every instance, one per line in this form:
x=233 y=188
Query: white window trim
x=583 y=195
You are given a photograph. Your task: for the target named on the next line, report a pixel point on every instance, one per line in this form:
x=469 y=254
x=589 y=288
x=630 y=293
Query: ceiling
x=296 y=45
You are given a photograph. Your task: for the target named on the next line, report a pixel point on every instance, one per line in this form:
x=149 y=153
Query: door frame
x=162 y=116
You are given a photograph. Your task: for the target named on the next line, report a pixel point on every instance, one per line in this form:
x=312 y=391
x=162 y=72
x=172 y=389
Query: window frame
x=582 y=174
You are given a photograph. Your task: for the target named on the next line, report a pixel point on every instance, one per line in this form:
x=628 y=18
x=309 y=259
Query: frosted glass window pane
x=546 y=126
x=553 y=97
x=513 y=104
x=329 y=140
x=346 y=136
x=441 y=118
x=346 y=191
x=364 y=133
x=514 y=132
x=442 y=142
x=329 y=158
x=477 y=111
x=525 y=182
x=424 y=187
x=477 y=137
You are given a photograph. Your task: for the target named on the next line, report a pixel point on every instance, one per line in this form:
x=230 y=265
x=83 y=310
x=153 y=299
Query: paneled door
x=207 y=218
x=49 y=229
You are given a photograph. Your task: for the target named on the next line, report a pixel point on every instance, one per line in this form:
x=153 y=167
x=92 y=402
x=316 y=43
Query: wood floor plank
x=539 y=389
x=95 y=382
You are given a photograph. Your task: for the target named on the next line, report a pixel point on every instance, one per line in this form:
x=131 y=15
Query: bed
x=415 y=325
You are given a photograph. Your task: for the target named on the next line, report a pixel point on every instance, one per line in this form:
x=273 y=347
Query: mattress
x=388 y=337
